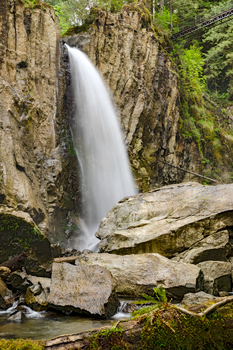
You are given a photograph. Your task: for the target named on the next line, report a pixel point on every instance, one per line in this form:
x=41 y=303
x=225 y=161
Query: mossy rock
x=76 y=30
x=18 y=234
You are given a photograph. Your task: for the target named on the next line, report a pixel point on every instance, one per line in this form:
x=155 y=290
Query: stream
x=46 y=325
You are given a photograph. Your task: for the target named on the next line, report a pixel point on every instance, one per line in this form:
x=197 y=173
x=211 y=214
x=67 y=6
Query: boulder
x=214 y=247
x=87 y=290
x=6 y=296
x=166 y=221
x=21 y=281
x=36 y=298
x=18 y=282
x=139 y=273
x=33 y=267
x=197 y=298
x=19 y=234
x=4 y=272
x=17 y=317
x=217 y=276
x=15 y=263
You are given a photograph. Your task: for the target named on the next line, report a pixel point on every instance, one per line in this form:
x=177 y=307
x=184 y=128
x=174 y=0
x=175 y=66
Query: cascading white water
x=104 y=164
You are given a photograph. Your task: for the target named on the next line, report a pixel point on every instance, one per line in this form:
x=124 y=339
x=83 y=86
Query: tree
x=219 y=56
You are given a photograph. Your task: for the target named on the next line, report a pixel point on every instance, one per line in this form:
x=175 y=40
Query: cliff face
x=34 y=157
x=145 y=88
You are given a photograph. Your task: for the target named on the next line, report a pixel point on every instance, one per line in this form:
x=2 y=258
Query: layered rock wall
x=34 y=137
x=144 y=85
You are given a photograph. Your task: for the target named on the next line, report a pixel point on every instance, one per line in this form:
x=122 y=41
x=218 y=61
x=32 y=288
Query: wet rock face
x=35 y=141
x=145 y=88
x=85 y=290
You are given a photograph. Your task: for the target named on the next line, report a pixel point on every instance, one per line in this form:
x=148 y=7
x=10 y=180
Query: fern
x=157 y=304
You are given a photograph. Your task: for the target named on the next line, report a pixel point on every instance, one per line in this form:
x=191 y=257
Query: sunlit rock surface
x=137 y=274
x=87 y=290
x=167 y=221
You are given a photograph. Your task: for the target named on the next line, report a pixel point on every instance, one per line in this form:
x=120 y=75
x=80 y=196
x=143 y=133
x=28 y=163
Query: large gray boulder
x=168 y=220
x=217 y=276
x=139 y=273
x=85 y=290
x=214 y=247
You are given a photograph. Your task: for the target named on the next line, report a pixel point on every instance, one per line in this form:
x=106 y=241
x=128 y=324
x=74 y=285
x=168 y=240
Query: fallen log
x=68 y=259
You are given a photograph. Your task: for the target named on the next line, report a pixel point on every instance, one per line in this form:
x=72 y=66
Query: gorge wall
x=38 y=165
x=38 y=173
x=144 y=85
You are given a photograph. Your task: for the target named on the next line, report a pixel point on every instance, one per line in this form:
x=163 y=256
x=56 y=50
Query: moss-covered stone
x=18 y=234
x=166 y=329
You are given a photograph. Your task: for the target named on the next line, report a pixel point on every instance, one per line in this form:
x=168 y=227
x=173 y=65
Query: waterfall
x=105 y=171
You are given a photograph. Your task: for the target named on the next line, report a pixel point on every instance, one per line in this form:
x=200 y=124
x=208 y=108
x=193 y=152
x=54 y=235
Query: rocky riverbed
x=178 y=237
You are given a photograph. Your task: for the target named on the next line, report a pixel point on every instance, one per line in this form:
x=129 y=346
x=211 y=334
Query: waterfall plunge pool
x=48 y=325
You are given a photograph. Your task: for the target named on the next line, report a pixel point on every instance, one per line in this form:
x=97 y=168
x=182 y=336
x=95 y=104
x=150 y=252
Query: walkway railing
x=200 y=24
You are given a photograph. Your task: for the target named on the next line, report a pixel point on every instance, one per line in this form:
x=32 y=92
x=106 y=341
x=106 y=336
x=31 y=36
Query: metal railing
x=200 y=23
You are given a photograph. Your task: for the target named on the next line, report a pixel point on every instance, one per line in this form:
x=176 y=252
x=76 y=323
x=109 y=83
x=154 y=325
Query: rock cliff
x=35 y=149
x=144 y=85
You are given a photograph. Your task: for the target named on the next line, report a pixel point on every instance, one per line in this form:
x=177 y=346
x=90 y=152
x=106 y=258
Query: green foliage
x=171 y=330
x=21 y=344
x=158 y=303
x=109 y=339
x=162 y=19
x=191 y=70
x=219 y=57
x=168 y=329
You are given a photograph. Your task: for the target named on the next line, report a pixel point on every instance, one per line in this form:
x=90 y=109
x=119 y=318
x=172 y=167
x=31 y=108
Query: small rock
x=4 y=272
x=36 y=289
x=217 y=276
x=70 y=252
x=6 y=296
x=223 y=294
x=34 y=268
x=36 y=298
x=18 y=282
x=56 y=250
x=197 y=298
x=17 y=317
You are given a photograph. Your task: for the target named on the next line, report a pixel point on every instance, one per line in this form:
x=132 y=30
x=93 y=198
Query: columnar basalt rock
x=145 y=88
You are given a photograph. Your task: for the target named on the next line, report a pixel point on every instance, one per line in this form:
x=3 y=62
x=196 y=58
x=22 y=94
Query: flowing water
x=104 y=165
x=45 y=325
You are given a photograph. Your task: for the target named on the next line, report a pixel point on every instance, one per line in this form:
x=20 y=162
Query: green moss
x=111 y=339
x=168 y=329
x=21 y=344
x=76 y=30
x=18 y=236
